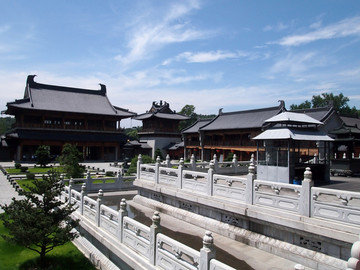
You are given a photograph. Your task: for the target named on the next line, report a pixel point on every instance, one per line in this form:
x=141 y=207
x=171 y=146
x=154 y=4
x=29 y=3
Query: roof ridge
x=252 y=110
x=35 y=85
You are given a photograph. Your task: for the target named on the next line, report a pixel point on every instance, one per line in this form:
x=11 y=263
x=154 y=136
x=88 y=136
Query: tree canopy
x=43 y=155
x=70 y=158
x=40 y=222
x=339 y=102
x=189 y=110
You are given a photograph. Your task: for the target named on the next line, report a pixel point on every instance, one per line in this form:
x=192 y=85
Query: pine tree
x=40 y=222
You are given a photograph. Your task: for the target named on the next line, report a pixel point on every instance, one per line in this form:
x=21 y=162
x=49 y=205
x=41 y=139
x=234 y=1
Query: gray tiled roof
x=242 y=119
x=319 y=114
x=194 y=128
x=161 y=110
x=66 y=99
x=351 y=121
x=173 y=116
x=292 y=117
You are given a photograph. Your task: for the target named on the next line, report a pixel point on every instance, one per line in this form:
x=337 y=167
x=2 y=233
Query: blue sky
x=234 y=55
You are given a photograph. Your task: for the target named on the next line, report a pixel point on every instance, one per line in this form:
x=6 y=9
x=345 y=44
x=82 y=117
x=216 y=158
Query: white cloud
x=344 y=28
x=351 y=72
x=210 y=56
x=294 y=64
x=147 y=37
x=278 y=27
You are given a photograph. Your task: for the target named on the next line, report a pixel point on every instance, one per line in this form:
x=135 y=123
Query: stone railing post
x=119 y=180
x=154 y=230
x=249 y=189
x=305 y=194
x=122 y=213
x=216 y=163
x=168 y=162
x=179 y=183
x=210 y=179
x=98 y=204
x=139 y=162
x=235 y=163
x=354 y=261
x=193 y=162
x=88 y=180
x=207 y=252
x=71 y=183
x=157 y=170
x=83 y=194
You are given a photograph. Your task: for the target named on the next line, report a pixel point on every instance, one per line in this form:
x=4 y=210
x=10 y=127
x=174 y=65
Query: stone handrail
x=279 y=195
x=146 y=241
x=119 y=182
x=233 y=166
x=336 y=205
x=229 y=187
x=136 y=236
x=176 y=253
x=302 y=199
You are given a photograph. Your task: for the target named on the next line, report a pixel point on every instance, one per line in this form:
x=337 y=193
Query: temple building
x=346 y=154
x=54 y=115
x=192 y=141
x=230 y=132
x=160 y=128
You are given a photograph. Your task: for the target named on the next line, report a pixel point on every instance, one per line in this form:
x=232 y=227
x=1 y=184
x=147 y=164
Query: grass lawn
x=13 y=257
x=24 y=183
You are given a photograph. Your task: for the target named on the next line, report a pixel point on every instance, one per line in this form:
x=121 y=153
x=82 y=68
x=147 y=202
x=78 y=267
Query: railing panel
x=147 y=172
x=278 y=195
x=229 y=187
x=195 y=181
x=89 y=208
x=109 y=220
x=172 y=254
x=335 y=204
x=76 y=198
x=136 y=236
x=168 y=176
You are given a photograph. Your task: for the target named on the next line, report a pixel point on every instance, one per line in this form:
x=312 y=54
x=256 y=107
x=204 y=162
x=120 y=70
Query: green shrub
x=23 y=169
x=17 y=165
x=109 y=173
x=145 y=160
x=30 y=176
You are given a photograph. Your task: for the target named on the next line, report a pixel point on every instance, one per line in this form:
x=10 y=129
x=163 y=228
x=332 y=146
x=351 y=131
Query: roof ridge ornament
x=102 y=89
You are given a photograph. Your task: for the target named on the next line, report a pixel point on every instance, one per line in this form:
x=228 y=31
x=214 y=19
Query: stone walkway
x=7 y=192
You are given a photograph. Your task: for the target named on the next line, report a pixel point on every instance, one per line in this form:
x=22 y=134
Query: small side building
x=160 y=129
x=290 y=143
x=54 y=115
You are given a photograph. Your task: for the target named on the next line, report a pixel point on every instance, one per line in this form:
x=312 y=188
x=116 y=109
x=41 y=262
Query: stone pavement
x=7 y=192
